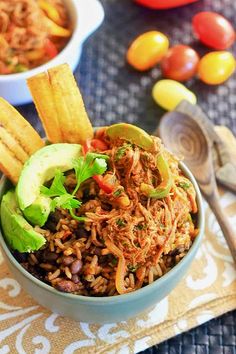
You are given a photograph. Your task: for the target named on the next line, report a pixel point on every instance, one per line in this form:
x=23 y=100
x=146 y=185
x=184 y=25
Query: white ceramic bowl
x=86 y=17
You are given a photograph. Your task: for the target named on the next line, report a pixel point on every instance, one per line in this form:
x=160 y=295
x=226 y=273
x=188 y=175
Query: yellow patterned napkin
x=207 y=291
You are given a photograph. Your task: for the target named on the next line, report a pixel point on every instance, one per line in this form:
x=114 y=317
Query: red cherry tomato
x=180 y=63
x=164 y=4
x=213 y=30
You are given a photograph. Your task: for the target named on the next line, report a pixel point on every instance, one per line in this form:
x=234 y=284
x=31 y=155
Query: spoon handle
x=224 y=223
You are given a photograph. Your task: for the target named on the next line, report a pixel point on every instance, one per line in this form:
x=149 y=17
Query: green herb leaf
x=62 y=198
x=90 y=165
x=118 y=192
x=139 y=227
x=121 y=151
x=57 y=187
x=132 y=268
x=65 y=201
x=114 y=261
x=184 y=185
x=78 y=218
x=20 y=68
x=120 y=222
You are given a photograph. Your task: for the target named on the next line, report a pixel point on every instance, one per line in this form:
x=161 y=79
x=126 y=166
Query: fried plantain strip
x=73 y=119
x=41 y=92
x=9 y=164
x=11 y=143
x=19 y=128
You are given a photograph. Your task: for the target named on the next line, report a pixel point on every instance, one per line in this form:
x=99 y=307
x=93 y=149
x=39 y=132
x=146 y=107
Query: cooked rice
x=152 y=234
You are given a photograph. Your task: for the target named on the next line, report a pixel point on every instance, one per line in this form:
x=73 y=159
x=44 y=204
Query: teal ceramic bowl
x=104 y=309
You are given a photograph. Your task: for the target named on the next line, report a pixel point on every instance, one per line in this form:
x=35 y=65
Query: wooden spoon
x=185 y=137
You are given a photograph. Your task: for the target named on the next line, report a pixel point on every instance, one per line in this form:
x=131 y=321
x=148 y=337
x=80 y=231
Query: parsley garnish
x=118 y=192
x=90 y=165
x=184 y=185
x=140 y=226
x=121 y=151
x=62 y=198
x=120 y=222
x=114 y=261
x=85 y=167
x=57 y=187
x=132 y=268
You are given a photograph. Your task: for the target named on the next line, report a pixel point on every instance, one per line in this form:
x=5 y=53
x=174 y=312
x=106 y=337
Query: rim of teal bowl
x=137 y=293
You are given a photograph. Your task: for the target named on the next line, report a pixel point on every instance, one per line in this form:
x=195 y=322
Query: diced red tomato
x=87 y=146
x=50 y=48
x=99 y=144
x=94 y=144
x=107 y=188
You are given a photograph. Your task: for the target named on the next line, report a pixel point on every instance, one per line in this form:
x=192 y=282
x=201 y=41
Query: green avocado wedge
x=130 y=133
x=41 y=168
x=38 y=212
x=18 y=233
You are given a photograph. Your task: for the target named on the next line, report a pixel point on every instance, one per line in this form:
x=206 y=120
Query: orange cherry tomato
x=213 y=30
x=147 y=50
x=180 y=63
x=164 y=4
x=216 y=67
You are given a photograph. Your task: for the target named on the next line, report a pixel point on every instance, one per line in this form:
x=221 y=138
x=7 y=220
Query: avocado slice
x=40 y=168
x=19 y=234
x=38 y=212
x=131 y=133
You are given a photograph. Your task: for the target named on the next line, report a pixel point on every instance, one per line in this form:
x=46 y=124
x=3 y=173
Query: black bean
x=49 y=256
x=75 y=278
x=67 y=260
x=66 y=286
x=76 y=266
x=97 y=251
x=53 y=220
x=20 y=257
x=81 y=232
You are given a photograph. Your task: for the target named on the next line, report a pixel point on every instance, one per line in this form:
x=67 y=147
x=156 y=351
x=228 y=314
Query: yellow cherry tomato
x=169 y=93
x=216 y=67
x=147 y=50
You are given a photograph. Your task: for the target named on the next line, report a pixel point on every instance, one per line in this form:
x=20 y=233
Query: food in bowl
x=32 y=32
x=100 y=216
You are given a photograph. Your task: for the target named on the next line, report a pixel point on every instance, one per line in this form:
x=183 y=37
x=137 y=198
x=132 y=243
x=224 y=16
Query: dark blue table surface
x=114 y=92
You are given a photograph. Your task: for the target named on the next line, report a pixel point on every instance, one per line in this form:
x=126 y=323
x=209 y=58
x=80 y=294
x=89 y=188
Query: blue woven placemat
x=217 y=336
x=115 y=92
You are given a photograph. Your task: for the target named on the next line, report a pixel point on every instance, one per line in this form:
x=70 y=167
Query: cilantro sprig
x=85 y=167
x=62 y=199
x=90 y=165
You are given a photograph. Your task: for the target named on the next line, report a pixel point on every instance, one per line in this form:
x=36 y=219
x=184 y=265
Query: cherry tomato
x=147 y=50
x=164 y=4
x=213 y=30
x=169 y=93
x=180 y=63
x=216 y=67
